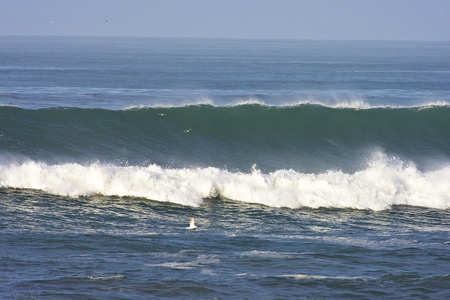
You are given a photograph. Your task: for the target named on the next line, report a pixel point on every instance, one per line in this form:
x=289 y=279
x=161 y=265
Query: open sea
x=314 y=169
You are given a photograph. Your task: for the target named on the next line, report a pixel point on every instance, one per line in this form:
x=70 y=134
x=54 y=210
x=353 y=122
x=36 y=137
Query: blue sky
x=268 y=19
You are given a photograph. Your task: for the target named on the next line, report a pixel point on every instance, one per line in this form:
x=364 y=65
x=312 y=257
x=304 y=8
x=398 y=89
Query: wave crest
x=382 y=184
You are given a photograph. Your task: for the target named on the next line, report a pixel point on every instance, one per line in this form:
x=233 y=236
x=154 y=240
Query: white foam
x=200 y=102
x=201 y=261
x=115 y=277
x=383 y=183
x=269 y=254
x=321 y=277
x=250 y=101
x=360 y=104
x=353 y=103
x=430 y=104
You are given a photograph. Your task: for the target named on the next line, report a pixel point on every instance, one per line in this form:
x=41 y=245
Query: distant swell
x=383 y=183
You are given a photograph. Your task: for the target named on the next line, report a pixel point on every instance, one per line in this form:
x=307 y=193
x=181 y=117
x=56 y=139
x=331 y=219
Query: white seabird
x=192 y=224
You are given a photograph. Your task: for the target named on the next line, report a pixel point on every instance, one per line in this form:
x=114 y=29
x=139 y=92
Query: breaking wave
x=383 y=183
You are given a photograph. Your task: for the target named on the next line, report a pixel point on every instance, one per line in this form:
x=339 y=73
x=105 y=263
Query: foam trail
x=379 y=186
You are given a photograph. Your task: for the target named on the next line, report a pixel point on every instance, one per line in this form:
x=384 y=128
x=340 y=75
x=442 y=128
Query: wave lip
x=377 y=187
x=126 y=98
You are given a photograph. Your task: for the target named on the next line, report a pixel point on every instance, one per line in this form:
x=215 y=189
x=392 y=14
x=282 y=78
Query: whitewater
x=383 y=184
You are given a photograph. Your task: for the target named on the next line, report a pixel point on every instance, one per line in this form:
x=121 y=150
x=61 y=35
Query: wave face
x=310 y=138
x=293 y=156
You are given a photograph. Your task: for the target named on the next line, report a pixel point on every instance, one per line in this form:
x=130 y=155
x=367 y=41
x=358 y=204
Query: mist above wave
x=126 y=98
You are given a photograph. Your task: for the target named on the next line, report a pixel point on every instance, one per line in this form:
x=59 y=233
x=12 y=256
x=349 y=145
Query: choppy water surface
x=127 y=247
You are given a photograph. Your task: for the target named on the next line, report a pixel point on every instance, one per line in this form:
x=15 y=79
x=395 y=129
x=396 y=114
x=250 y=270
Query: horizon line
x=218 y=38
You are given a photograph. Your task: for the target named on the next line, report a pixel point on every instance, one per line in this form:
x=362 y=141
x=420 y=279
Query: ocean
x=314 y=169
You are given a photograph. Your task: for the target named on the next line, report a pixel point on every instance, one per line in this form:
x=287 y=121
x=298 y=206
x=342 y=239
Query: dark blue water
x=314 y=169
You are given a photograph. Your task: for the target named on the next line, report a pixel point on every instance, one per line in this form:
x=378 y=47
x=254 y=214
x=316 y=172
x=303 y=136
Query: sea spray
x=382 y=184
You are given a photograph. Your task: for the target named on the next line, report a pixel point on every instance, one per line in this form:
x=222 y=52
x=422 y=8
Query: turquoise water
x=314 y=169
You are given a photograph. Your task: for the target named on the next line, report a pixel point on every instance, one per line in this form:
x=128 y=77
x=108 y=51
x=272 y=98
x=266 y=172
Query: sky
x=424 y=20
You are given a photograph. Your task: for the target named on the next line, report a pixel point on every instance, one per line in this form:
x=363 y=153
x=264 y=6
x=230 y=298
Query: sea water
x=314 y=169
